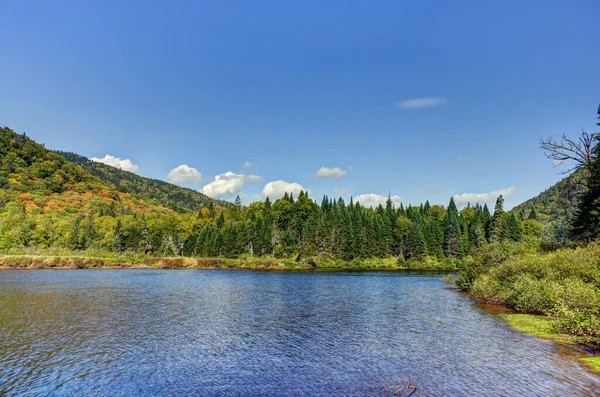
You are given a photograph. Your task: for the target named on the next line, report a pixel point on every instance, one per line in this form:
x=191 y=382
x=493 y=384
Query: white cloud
x=373 y=200
x=420 y=103
x=277 y=189
x=124 y=164
x=483 y=197
x=326 y=172
x=183 y=174
x=227 y=184
x=248 y=164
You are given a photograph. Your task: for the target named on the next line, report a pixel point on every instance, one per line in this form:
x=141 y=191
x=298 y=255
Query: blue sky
x=419 y=99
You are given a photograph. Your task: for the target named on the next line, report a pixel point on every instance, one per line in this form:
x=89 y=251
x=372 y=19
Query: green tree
x=498 y=232
x=452 y=232
x=586 y=225
x=415 y=243
x=532 y=214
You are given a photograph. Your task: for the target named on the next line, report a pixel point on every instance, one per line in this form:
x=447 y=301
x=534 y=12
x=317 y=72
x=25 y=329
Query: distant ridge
x=175 y=197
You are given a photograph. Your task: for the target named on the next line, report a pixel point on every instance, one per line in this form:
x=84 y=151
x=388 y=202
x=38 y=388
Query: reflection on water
x=161 y=332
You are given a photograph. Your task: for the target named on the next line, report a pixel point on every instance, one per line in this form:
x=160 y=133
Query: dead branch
x=567 y=149
x=407 y=390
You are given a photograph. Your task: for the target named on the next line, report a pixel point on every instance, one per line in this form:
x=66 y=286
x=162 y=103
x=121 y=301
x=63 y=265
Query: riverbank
x=542 y=327
x=129 y=261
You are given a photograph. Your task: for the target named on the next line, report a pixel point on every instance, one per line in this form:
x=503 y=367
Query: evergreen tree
x=74 y=237
x=238 y=202
x=499 y=227
x=532 y=214
x=486 y=222
x=220 y=221
x=415 y=243
x=452 y=232
x=118 y=238
x=586 y=225
x=514 y=227
x=349 y=250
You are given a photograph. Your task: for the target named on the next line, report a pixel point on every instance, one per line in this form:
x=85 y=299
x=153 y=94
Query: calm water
x=153 y=332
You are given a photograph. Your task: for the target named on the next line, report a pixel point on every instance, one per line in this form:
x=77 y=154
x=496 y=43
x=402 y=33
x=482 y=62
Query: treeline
x=302 y=229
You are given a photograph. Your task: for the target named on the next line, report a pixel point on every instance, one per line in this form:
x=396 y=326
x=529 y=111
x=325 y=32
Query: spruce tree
x=498 y=232
x=74 y=238
x=532 y=214
x=452 y=232
x=415 y=243
x=586 y=225
x=514 y=227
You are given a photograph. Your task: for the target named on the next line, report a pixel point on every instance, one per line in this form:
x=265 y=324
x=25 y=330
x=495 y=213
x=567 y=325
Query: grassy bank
x=40 y=259
x=543 y=327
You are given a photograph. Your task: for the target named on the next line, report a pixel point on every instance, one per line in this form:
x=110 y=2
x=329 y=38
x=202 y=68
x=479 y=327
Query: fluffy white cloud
x=248 y=164
x=124 y=164
x=373 y=200
x=183 y=174
x=228 y=184
x=420 y=103
x=326 y=172
x=483 y=197
x=277 y=189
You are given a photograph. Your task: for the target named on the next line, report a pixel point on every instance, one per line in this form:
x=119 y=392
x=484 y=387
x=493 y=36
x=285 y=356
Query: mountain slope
x=46 y=201
x=556 y=205
x=177 y=198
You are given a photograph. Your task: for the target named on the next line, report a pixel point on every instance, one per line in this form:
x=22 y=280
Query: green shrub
x=487 y=289
x=530 y=295
x=469 y=272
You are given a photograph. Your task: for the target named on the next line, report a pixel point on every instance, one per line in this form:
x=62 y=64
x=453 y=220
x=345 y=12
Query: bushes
x=578 y=310
x=487 y=289
x=531 y=295
x=564 y=284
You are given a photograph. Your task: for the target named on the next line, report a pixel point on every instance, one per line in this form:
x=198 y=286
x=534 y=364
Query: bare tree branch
x=567 y=149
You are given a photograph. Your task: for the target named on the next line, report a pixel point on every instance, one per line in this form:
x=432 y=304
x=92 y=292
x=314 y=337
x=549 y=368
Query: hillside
x=47 y=201
x=177 y=198
x=556 y=205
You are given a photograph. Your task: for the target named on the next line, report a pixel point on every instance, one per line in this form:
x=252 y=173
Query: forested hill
x=49 y=202
x=556 y=206
x=177 y=198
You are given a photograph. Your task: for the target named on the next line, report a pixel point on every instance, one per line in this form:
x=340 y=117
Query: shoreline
x=540 y=326
x=71 y=262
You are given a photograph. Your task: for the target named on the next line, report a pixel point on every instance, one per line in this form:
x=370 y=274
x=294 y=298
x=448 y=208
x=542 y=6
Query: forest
x=51 y=203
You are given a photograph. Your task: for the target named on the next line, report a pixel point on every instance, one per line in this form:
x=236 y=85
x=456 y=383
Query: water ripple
x=229 y=333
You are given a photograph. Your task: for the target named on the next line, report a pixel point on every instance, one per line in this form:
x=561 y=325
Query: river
x=242 y=333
